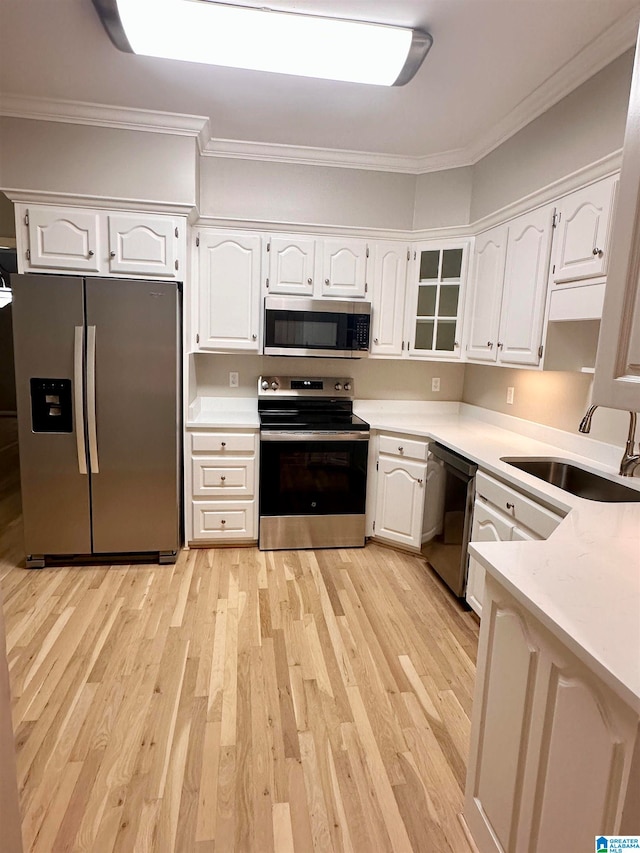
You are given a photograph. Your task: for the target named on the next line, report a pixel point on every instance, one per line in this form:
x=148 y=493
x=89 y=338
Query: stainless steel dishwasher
x=453 y=494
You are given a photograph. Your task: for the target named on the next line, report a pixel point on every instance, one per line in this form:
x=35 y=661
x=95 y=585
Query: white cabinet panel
x=143 y=245
x=486 y=293
x=583 y=229
x=215 y=477
x=400 y=501
x=291 y=264
x=488 y=526
x=63 y=239
x=229 y=291
x=525 y=287
x=344 y=264
x=215 y=520
x=388 y=287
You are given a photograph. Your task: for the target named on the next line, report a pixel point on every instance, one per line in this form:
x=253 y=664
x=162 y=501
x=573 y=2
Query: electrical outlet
x=233 y=380
x=435 y=383
x=510 y=392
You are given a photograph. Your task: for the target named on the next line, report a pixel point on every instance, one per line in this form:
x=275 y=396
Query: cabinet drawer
x=220 y=520
x=408 y=448
x=223 y=442
x=515 y=505
x=216 y=477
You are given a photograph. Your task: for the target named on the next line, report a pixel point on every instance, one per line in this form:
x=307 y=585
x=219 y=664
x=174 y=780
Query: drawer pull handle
x=400 y=449
x=510 y=506
x=222 y=521
x=223 y=478
x=223 y=444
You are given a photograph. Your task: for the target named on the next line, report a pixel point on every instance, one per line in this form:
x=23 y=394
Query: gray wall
x=375 y=379
x=101 y=161
x=443 y=198
x=582 y=128
x=7 y=217
x=317 y=195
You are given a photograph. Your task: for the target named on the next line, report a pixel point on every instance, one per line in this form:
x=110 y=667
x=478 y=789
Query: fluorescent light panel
x=264 y=40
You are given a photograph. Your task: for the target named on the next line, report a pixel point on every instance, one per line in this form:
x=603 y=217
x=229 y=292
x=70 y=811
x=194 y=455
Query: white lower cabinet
x=401 y=473
x=552 y=761
x=503 y=514
x=224 y=505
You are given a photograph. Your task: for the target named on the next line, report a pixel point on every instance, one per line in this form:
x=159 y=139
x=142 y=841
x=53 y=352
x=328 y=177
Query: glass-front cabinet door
x=437 y=302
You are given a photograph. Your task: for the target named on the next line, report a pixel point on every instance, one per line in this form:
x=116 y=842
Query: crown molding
x=22 y=196
x=104 y=115
x=593 y=58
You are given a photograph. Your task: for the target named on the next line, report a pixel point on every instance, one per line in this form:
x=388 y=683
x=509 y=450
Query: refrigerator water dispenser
x=51 y=405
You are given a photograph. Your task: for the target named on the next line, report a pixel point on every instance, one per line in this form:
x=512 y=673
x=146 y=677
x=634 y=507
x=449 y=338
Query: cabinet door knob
x=510 y=506
x=254 y=337
x=420 y=481
x=490 y=344
x=112 y=254
x=309 y=281
x=375 y=340
x=326 y=281
x=90 y=253
x=500 y=345
x=598 y=252
x=400 y=449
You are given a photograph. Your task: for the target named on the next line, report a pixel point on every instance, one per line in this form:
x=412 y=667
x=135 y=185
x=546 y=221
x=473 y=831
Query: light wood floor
x=239 y=701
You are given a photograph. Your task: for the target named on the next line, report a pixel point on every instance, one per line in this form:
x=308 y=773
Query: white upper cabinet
x=617 y=374
x=511 y=265
x=291 y=264
x=583 y=232
x=343 y=268
x=62 y=239
x=525 y=288
x=100 y=242
x=388 y=286
x=489 y=255
x=436 y=299
x=228 y=291
x=143 y=244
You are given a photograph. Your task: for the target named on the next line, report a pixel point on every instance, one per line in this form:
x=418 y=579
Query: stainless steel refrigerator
x=98 y=395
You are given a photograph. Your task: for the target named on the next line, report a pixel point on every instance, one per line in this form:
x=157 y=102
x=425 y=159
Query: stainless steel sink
x=571 y=478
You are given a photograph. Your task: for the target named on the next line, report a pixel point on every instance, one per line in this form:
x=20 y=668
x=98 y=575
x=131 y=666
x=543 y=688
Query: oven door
x=312 y=489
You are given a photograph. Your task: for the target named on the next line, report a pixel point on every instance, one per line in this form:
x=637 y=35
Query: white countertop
x=583 y=583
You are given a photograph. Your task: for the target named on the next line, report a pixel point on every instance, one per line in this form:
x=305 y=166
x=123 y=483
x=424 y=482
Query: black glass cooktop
x=320 y=413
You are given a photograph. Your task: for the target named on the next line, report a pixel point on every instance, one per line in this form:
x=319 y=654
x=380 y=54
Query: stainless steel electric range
x=313 y=464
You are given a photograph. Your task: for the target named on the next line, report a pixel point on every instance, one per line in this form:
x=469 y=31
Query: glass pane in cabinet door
x=446 y=336
x=427 y=300
x=451 y=263
x=449 y=294
x=424 y=334
x=429 y=265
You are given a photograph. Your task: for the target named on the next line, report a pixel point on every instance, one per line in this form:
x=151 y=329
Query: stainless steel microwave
x=295 y=325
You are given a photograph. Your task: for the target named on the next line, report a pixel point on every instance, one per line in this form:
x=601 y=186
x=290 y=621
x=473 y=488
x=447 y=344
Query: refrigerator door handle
x=78 y=400
x=91 y=399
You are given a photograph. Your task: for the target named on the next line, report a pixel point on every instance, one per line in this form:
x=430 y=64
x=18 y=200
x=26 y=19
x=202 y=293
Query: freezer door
x=48 y=317
x=133 y=414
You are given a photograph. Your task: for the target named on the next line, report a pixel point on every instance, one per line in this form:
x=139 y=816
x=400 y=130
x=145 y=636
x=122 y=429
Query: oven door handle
x=315 y=435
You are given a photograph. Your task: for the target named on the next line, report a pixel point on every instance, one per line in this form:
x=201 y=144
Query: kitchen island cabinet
x=555 y=750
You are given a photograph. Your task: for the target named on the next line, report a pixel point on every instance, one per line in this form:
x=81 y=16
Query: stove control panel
x=312 y=386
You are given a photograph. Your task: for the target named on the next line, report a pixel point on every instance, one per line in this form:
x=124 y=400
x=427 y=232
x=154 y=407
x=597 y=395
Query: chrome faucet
x=630 y=460
x=585 y=423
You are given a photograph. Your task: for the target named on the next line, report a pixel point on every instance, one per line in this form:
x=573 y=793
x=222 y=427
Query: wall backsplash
x=374 y=379
x=552 y=398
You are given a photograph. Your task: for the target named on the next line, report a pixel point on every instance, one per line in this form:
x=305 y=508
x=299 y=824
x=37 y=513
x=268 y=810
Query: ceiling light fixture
x=265 y=40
